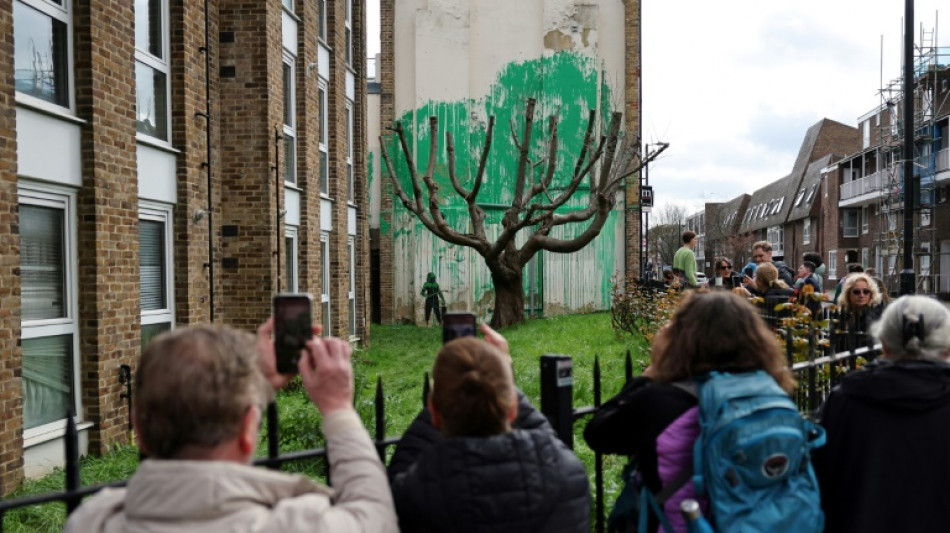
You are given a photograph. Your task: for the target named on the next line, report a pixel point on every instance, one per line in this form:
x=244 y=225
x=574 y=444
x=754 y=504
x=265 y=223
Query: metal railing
x=818 y=374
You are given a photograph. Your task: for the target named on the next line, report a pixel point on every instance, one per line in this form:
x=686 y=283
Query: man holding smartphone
x=200 y=394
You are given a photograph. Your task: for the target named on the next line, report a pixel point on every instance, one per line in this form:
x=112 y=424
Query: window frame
x=348 y=32
x=292 y=251
x=325 y=278
x=850 y=232
x=806 y=231
x=323 y=138
x=161 y=213
x=162 y=65
x=64 y=14
x=50 y=196
x=865 y=219
x=290 y=114
x=350 y=132
x=832 y=264
x=322 y=20
x=351 y=295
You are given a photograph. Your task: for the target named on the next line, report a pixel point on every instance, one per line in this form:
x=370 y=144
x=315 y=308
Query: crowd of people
x=480 y=457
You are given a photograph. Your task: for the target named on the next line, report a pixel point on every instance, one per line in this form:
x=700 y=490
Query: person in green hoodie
x=684 y=261
x=432 y=293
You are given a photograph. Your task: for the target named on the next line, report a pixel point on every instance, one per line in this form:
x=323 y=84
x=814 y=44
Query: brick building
x=161 y=167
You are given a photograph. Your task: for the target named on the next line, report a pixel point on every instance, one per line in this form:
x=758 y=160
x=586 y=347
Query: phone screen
x=457 y=325
x=293 y=327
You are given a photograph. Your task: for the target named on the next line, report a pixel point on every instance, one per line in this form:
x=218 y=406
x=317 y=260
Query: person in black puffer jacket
x=480 y=458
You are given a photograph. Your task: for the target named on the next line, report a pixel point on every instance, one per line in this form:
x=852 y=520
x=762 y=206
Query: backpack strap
x=648 y=501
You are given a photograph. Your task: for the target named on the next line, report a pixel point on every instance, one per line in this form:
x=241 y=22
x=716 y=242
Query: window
x=290 y=131
x=351 y=249
x=151 y=69
x=156 y=287
x=291 y=268
x=833 y=264
x=776 y=237
x=865 y=257
x=289 y=5
x=850 y=222
x=865 y=219
x=42 y=50
x=348 y=32
x=49 y=327
x=324 y=135
x=924 y=217
x=322 y=22
x=325 y=283
x=350 y=191
x=806 y=231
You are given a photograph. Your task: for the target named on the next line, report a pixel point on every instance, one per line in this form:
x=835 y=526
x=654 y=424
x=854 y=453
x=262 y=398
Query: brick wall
x=387 y=112
x=11 y=403
x=192 y=276
x=251 y=116
x=107 y=206
x=632 y=118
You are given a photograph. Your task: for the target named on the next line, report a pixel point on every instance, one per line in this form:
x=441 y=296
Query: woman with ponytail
x=886 y=464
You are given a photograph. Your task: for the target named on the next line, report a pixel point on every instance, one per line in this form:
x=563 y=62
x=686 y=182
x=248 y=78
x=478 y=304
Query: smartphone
x=457 y=325
x=293 y=327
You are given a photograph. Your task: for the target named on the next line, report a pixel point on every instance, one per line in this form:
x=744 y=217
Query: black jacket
x=522 y=481
x=886 y=465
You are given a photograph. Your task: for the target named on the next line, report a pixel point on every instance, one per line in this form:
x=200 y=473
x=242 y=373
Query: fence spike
x=72 y=461
x=380 y=418
x=628 y=367
x=596 y=380
x=425 y=390
x=273 y=433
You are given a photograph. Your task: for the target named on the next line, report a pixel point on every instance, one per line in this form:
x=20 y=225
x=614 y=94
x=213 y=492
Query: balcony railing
x=864 y=185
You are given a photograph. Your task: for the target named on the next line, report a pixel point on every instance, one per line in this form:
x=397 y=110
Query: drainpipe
x=278 y=214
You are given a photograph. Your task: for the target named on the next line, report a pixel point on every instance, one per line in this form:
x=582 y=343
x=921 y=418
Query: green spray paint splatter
x=566 y=84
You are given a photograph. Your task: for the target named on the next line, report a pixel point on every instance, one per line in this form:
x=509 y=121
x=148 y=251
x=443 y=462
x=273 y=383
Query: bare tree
x=535 y=203
x=667 y=235
x=723 y=238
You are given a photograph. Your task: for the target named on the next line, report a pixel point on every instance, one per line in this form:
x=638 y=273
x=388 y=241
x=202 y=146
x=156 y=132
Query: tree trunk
x=509 y=296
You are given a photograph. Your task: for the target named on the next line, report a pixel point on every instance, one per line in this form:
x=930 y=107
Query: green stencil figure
x=432 y=293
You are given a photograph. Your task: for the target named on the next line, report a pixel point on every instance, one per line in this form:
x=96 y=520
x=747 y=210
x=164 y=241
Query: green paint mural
x=566 y=84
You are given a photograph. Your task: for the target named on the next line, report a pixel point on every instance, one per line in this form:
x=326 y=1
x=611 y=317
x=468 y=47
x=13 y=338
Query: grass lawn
x=400 y=356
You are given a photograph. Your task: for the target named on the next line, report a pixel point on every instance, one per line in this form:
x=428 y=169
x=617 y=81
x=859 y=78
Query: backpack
x=636 y=502
x=752 y=457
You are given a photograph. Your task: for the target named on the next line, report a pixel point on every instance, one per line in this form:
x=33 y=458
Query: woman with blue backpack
x=710 y=419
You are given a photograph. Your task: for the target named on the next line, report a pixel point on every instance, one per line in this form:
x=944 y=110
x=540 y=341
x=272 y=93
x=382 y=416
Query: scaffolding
x=930 y=94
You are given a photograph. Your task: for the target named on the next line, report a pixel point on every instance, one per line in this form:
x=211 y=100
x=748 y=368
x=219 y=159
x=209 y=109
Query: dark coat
x=855 y=328
x=522 y=481
x=885 y=466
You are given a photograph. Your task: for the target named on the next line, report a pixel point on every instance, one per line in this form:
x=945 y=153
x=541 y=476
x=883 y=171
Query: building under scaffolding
x=872 y=191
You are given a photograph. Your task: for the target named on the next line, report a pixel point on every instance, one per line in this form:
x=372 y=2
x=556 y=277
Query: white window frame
x=65 y=199
x=292 y=283
x=833 y=264
x=322 y=22
x=348 y=32
x=290 y=130
x=350 y=178
x=865 y=219
x=163 y=214
x=806 y=231
x=776 y=237
x=325 y=307
x=847 y=231
x=62 y=13
x=162 y=65
x=322 y=144
x=351 y=295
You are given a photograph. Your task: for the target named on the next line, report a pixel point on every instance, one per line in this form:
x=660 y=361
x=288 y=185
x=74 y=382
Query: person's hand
x=495 y=339
x=327 y=374
x=746 y=280
x=268 y=359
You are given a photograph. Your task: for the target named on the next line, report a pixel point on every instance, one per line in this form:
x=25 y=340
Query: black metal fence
x=816 y=376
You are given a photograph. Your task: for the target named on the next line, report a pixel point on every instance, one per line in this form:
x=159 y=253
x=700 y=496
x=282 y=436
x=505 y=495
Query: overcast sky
x=733 y=86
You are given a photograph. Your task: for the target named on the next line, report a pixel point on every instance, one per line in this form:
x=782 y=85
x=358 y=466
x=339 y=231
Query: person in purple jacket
x=655 y=417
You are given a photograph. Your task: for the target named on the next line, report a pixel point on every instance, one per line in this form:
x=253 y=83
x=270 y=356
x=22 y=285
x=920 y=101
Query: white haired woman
x=885 y=465
x=860 y=305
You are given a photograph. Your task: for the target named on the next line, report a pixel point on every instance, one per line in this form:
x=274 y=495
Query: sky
x=734 y=86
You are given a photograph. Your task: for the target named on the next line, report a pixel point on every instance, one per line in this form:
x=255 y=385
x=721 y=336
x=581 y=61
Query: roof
x=807 y=191
x=769 y=205
x=731 y=212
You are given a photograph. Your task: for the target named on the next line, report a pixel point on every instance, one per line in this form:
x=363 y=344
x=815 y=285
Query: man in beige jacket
x=200 y=395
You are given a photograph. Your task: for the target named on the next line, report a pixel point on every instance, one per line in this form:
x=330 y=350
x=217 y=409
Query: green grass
x=400 y=356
